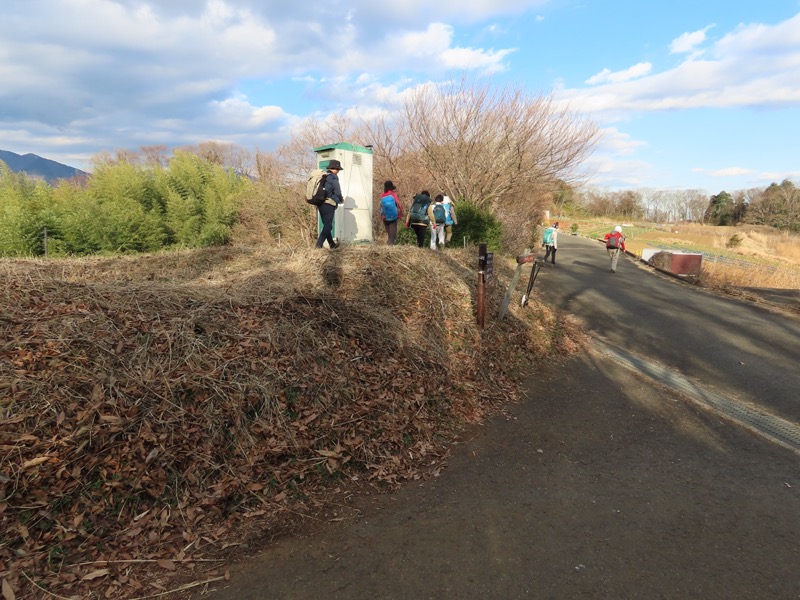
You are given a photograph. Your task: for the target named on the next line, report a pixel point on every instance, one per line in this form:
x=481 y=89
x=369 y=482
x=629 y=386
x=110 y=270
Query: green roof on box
x=344 y=146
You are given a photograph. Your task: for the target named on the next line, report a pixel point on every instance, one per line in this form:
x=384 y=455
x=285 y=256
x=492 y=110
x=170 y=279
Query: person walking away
x=615 y=242
x=418 y=216
x=550 y=242
x=333 y=198
x=391 y=211
x=438 y=218
x=450 y=219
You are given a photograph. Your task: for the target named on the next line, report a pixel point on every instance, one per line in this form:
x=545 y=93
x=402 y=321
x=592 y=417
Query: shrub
x=479 y=225
x=734 y=242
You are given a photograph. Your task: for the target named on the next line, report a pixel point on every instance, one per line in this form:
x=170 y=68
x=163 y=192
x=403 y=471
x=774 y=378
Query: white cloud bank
x=753 y=66
x=103 y=73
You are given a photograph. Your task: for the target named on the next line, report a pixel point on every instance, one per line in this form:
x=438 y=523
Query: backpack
x=614 y=241
x=439 y=214
x=548 y=236
x=315 y=187
x=389 y=208
x=449 y=215
x=419 y=210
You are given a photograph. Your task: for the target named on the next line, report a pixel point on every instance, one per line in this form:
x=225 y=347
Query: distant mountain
x=36 y=166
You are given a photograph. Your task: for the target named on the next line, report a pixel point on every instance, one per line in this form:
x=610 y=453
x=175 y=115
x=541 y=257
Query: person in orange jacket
x=615 y=242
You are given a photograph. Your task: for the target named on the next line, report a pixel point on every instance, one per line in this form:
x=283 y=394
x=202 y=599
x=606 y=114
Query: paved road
x=738 y=349
x=601 y=485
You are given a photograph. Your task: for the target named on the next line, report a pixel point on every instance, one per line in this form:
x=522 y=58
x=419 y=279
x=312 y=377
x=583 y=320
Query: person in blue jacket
x=333 y=198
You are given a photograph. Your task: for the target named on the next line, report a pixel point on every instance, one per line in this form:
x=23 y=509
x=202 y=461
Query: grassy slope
x=158 y=408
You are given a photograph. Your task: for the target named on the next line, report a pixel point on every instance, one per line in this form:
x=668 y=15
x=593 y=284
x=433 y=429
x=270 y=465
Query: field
x=736 y=259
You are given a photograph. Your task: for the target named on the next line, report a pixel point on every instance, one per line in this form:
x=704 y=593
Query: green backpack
x=419 y=210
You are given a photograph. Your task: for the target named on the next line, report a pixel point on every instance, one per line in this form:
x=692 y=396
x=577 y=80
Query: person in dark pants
x=333 y=198
x=418 y=217
x=391 y=211
x=550 y=242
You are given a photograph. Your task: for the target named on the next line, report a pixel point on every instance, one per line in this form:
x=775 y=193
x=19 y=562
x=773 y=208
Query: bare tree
x=489 y=146
x=502 y=149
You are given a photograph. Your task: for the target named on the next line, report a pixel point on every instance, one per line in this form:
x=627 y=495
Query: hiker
x=419 y=216
x=438 y=217
x=333 y=198
x=391 y=211
x=615 y=242
x=450 y=219
x=550 y=242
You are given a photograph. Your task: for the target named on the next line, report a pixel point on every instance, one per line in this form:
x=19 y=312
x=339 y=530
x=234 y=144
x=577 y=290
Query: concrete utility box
x=353 y=220
x=673 y=261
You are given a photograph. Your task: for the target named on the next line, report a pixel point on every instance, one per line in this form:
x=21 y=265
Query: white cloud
x=613 y=141
x=727 y=172
x=237 y=113
x=453 y=10
x=489 y=61
x=777 y=176
x=754 y=66
x=688 y=42
x=115 y=67
x=607 y=76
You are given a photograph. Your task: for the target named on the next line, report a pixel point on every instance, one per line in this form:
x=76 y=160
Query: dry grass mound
x=156 y=411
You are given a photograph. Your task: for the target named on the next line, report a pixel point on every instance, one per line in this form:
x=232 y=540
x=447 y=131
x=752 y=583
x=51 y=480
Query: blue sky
x=702 y=94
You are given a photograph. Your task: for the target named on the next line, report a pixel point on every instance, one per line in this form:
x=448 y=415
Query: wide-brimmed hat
x=334 y=164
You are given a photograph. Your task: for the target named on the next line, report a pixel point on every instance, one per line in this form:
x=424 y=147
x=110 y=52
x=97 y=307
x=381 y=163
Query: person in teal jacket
x=550 y=242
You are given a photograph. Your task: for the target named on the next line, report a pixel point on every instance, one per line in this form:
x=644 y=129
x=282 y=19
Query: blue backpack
x=548 y=236
x=439 y=214
x=388 y=208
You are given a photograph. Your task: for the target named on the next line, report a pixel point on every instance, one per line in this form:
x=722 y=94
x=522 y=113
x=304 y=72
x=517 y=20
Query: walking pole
x=534 y=273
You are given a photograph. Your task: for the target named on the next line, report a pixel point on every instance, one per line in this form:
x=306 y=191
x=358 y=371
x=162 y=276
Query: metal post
x=481 y=284
x=481 y=299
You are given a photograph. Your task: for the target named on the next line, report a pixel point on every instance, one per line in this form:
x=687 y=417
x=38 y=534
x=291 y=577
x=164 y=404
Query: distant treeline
x=777 y=205
x=122 y=208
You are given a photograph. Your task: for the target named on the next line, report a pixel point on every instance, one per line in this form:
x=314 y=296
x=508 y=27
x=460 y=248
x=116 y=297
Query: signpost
x=482 y=265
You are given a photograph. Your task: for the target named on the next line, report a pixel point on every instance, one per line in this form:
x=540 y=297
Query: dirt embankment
x=159 y=412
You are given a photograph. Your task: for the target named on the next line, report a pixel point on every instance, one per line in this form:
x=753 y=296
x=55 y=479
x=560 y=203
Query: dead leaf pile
x=152 y=406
